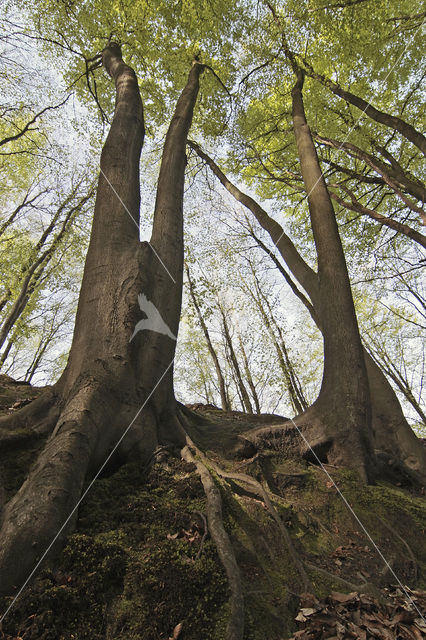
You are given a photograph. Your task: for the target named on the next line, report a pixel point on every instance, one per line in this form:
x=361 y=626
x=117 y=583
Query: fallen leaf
x=172 y=536
x=177 y=630
x=343 y=597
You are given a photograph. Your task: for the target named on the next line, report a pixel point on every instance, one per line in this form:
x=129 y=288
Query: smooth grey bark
x=392 y=432
x=109 y=382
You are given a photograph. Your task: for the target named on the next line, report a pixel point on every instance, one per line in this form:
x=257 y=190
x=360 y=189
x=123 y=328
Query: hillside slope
x=141 y=563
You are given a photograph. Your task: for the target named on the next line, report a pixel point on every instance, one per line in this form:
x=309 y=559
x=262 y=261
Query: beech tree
x=220 y=377
x=392 y=433
x=115 y=400
x=103 y=367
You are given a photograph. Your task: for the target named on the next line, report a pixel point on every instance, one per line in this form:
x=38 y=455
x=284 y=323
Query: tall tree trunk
x=343 y=404
x=114 y=390
x=392 y=433
x=394 y=122
x=244 y=396
x=220 y=377
x=249 y=376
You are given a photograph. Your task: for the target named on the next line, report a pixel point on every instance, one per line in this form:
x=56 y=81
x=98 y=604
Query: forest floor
x=141 y=564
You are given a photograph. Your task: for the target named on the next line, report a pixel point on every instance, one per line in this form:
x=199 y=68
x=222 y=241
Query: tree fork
x=111 y=388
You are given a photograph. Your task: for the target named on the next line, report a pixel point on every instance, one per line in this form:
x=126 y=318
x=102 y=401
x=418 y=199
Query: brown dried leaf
x=177 y=631
x=343 y=597
x=308 y=599
x=172 y=536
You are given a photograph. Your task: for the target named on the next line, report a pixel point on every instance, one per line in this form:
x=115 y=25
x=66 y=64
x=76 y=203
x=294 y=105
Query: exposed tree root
x=406 y=545
x=263 y=494
x=93 y=426
x=235 y=628
x=260 y=491
x=314 y=440
x=29 y=425
x=365 y=587
x=33 y=421
x=206 y=530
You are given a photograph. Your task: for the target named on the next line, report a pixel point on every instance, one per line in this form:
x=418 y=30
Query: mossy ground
x=138 y=563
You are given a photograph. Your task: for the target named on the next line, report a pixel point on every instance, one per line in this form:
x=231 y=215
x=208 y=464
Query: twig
x=32 y=121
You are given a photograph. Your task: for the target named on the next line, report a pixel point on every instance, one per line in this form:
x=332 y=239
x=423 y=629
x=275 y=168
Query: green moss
x=71 y=601
x=166 y=587
x=119 y=576
x=131 y=571
x=15 y=465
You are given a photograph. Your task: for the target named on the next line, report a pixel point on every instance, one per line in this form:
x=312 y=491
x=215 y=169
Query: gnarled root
x=90 y=429
x=235 y=628
x=30 y=423
x=263 y=494
x=319 y=436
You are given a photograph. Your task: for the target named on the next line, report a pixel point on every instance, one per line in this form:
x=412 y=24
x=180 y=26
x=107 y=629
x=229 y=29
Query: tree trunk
x=343 y=405
x=6 y=351
x=249 y=376
x=260 y=300
x=32 y=272
x=392 y=433
x=399 y=380
x=244 y=396
x=220 y=378
x=115 y=392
